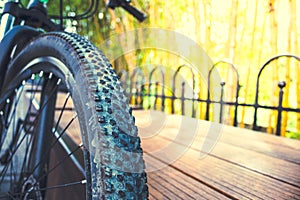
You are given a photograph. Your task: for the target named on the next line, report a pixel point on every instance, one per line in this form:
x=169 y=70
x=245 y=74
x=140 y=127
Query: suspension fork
x=18 y=36
x=43 y=132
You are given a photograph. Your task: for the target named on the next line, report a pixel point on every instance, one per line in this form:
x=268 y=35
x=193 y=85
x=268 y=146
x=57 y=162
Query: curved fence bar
x=163 y=97
x=124 y=78
x=182 y=94
x=279 y=108
x=162 y=75
x=237 y=86
x=137 y=81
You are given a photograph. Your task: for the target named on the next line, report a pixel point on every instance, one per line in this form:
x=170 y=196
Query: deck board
x=232 y=179
x=243 y=164
x=275 y=167
x=181 y=183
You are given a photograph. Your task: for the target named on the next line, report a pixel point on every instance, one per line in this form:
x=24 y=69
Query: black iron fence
x=147 y=89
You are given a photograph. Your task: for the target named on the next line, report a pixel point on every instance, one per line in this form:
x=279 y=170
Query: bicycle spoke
x=26 y=157
x=13 y=115
x=57 y=139
x=15 y=133
x=37 y=117
x=54 y=143
x=31 y=97
x=23 y=126
x=62 y=111
x=52 y=169
x=15 y=104
x=10 y=159
x=61 y=162
x=82 y=182
x=34 y=87
x=2 y=119
x=3 y=133
x=14 y=172
x=64 y=130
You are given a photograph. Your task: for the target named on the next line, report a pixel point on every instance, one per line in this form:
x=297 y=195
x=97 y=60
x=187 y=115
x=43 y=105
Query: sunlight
x=2 y=25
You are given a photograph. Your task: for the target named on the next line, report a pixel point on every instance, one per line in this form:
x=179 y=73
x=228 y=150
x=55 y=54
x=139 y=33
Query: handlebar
x=125 y=4
x=36 y=14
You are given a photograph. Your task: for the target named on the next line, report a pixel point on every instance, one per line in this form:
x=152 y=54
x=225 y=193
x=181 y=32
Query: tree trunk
x=273 y=45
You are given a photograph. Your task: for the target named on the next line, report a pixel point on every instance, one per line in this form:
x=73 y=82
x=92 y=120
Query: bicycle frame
x=23 y=25
x=5 y=20
x=20 y=25
x=17 y=35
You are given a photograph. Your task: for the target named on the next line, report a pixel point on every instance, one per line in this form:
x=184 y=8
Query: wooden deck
x=242 y=165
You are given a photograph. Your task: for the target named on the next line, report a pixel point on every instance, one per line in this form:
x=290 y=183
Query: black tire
x=57 y=64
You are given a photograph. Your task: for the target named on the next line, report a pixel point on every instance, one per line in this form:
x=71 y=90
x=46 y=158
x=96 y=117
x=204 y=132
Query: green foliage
x=293 y=135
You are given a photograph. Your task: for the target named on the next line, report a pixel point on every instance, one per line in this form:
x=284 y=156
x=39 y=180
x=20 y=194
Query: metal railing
x=160 y=96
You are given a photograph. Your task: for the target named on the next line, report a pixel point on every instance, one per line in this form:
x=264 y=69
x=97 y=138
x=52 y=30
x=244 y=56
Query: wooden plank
x=264 y=164
x=167 y=193
x=233 y=180
x=256 y=161
x=264 y=137
x=157 y=118
x=153 y=192
x=271 y=145
x=180 y=184
x=275 y=150
x=278 y=147
x=173 y=186
x=226 y=174
x=231 y=168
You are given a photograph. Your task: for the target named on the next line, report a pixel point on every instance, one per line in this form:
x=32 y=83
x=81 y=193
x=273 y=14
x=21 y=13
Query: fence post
x=156 y=94
x=173 y=98
x=207 y=106
x=193 y=101
x=256 y=105
x=142 y=95
x=149 y=95
x=163 y=98
x=208 y=96
x=221 y=101
x=235 y=121
x=124 y=82
x=182 y=97
x=162 y=74
x=281 y=85
x=174 y=79
x=136 y=93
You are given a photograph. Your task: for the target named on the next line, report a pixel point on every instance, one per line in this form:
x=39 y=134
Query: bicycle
x=62 y=108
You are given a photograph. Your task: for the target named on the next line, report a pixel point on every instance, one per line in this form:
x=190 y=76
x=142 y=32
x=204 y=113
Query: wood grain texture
x=242 y=165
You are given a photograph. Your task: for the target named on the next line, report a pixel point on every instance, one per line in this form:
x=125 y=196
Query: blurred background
x=245 y=34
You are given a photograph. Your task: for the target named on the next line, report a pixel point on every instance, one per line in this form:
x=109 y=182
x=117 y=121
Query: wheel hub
x=31 y=189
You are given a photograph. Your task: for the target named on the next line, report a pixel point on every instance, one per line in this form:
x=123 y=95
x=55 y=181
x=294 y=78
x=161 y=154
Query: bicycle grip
x=133 y=11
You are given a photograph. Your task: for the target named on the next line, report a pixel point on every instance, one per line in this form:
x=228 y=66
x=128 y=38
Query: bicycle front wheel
x=66 y=128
